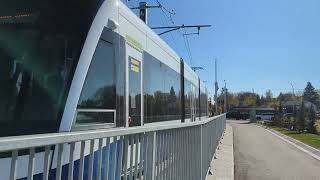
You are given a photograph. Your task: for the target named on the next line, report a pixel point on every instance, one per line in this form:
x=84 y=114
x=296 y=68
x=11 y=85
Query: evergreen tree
x=281 y=97
x=280 y=109
x=294 y=118
x=258 y=101
x=311 y=121
x=310 y=94
x=269 y=96
x=262 y=100
x=277 y=121
x=300 y=121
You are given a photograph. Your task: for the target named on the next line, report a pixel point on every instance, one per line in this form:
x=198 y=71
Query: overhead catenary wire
x=128 y=4
x=163 y=23
x=164 y=16
x=165 y=13
x=187 y=44
x=163 y=9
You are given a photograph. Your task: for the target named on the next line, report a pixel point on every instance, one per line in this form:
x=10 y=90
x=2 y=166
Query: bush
x=317 y=125
x=277 y=121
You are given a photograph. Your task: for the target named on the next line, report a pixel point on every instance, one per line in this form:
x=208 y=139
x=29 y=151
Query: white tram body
x=68 y=65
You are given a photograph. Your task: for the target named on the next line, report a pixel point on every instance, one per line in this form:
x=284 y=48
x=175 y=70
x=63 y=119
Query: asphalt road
x=261 y=155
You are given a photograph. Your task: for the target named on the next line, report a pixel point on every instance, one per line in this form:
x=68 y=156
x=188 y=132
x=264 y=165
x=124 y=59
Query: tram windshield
x=40 y=44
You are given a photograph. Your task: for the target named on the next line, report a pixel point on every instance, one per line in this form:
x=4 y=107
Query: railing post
x=150 y=166
x=201 y=149
x=154 y=149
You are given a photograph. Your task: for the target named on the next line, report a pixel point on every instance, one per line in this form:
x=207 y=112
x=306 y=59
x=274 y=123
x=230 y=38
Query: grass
x=307 y=138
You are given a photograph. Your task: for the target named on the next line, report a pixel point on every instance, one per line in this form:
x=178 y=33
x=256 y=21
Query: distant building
x=244 y=112
x=289 y=106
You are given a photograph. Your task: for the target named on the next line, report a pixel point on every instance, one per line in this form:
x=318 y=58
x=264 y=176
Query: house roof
x=298 y=103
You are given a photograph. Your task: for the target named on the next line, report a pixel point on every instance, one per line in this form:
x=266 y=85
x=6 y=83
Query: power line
x=162 y=22
x=127 y=3
x=163 y=9
x=186 y=44
x=166 y=13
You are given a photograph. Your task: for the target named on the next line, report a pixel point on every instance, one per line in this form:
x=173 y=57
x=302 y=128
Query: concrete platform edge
x=222 y=167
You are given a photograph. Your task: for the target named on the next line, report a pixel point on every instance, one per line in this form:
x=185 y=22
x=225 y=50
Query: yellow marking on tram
x=135 y=68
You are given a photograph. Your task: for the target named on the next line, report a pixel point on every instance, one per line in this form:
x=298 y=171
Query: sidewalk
x=222 y=167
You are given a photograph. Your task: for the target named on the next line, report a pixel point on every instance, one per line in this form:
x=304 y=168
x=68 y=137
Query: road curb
x=286 y=139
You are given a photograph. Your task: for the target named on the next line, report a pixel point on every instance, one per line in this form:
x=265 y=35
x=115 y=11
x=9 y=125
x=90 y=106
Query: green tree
x=263 y=100
x=286 y=97
x=244 y=99
x=258 y=100
x=269 y=96
x=233 y=100
x=300 y=121
x=277 y=121
x=311 y=121
x=310 y=94
x=280 y=109
x=281 y=97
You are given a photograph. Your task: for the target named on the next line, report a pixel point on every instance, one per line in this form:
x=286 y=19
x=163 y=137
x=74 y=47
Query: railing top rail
x=40 y=140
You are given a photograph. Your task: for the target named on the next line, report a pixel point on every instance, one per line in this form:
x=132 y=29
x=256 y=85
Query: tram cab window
x=97 y=102
x=40 y=44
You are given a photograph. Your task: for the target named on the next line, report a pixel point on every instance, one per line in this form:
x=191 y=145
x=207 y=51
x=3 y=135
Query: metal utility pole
x=293 y=94
x=143 y=10
x=143 y=14
x=216 y=88
x=225 y=97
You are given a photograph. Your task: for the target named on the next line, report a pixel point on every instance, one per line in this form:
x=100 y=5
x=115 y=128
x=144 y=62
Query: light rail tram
x=70 y=65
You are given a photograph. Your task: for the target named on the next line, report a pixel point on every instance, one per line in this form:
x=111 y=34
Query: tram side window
x=203 y=103
x=162 y=100
x=97 y=102
x=206 y=104
x=187 y=98
x=197 y=102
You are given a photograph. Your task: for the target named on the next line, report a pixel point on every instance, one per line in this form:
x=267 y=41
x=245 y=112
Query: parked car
x=244 y=115
x=265 y=116
x=233 y=115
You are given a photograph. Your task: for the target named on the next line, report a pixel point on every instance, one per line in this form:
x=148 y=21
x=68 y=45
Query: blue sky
x=259 y=44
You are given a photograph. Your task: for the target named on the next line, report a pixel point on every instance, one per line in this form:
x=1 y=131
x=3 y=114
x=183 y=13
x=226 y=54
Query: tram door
x=134 y=86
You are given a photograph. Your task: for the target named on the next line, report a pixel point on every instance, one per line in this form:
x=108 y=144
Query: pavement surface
x=260 y=155
x=222 y=167
x=303 y=147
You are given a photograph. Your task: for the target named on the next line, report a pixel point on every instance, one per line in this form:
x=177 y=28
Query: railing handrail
x=40 y=140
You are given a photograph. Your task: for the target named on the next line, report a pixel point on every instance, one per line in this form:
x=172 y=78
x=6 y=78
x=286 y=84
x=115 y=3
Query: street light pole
x=293 y=94
x=216 y=86
x=225 y=97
